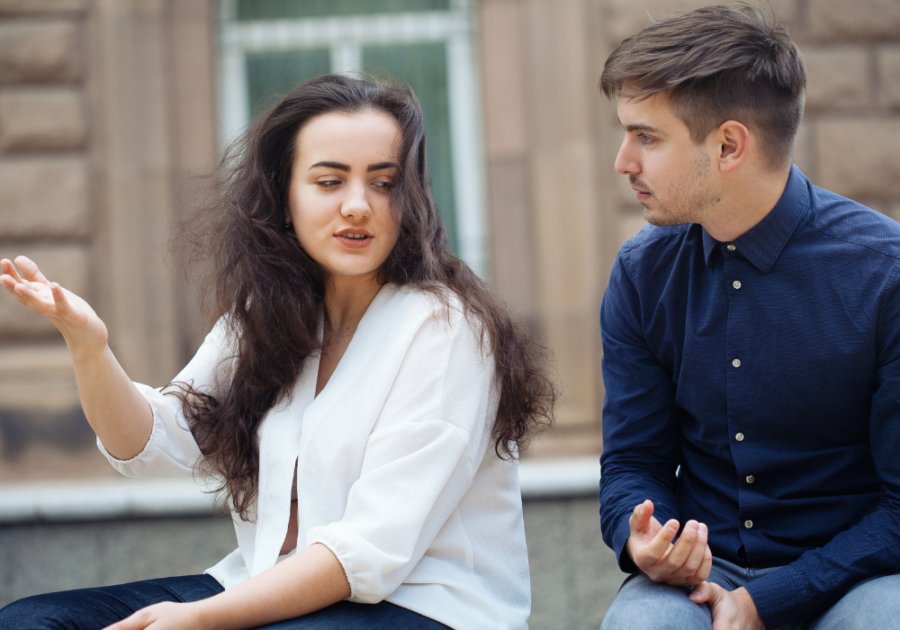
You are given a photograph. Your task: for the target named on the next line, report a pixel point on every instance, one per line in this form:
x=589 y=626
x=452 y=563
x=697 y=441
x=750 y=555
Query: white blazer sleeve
x=420 y=459
x=171 y=450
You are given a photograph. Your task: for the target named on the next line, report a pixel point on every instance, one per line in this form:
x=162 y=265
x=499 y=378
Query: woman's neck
x=346 y=301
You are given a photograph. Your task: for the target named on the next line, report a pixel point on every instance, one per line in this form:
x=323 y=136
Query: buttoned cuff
x=781 y=597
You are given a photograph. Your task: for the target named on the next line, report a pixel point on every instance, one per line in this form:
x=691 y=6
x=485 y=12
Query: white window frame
x=345 y=37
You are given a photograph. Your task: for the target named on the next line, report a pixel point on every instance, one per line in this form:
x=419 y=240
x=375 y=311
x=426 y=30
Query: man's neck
x=745 y=202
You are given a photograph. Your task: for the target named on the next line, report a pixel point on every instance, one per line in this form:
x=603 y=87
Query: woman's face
x=339 y=199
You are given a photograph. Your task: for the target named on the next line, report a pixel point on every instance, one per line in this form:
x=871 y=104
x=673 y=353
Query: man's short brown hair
x=716 y=64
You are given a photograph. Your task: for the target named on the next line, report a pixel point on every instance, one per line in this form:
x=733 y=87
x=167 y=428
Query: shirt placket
x=740 y=433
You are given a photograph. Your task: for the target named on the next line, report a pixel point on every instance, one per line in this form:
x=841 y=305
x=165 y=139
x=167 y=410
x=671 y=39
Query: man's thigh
x=642 y=603
x=874 y=603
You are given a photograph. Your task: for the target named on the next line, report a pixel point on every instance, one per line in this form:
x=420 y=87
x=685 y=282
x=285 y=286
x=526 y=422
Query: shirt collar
x=764 y=242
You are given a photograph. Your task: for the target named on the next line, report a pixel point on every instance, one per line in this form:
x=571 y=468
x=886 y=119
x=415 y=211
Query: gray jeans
x=643 y=604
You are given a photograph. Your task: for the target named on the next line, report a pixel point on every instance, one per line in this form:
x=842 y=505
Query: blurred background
x=113 y=111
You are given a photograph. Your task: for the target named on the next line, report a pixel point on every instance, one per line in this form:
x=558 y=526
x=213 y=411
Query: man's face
x=672 y=176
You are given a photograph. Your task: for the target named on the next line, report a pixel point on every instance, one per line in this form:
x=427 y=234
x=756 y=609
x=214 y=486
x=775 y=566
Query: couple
x=363 y=395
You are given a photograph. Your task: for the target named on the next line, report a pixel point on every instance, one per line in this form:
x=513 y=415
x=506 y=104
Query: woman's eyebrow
x=382 y=165
x=337 y=165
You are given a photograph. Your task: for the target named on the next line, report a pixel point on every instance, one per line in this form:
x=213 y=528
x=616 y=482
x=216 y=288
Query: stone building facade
x=108 y=118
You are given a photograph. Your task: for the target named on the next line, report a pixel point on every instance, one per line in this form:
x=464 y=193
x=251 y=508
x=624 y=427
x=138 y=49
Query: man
x=751 y=341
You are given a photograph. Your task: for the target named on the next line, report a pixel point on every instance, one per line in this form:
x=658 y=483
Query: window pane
x=424 y=68
x=269 y=75
x=281 y=9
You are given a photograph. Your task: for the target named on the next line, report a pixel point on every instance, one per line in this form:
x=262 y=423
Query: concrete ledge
x=101 y=500
x=560 y=478
x=124 y=498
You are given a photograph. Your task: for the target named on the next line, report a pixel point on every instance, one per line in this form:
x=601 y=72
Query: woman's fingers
x=30 y=270
x=21 y=288
x=63 y=307
x=7 y=267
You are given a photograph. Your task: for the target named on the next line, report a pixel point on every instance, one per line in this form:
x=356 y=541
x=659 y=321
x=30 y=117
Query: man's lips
x=643 y=194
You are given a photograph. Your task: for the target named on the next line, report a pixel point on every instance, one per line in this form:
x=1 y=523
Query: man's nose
x=626 y=164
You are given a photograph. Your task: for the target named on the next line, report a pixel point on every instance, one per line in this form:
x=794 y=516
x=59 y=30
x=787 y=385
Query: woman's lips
x=354 y=243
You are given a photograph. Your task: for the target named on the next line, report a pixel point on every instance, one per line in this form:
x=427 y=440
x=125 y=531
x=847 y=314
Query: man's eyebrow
x=382 y=165
x=639 y=127
x=337 y=165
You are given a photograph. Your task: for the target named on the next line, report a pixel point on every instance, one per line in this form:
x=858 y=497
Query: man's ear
x=733 y=142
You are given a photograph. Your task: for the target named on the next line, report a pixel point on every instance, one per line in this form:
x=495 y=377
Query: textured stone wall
x=105 y=106
x=851 y=129
x=106 y=117
x=45 y=196
x=852 y=53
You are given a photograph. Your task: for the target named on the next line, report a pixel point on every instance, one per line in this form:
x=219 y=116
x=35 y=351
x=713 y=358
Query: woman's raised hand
x=74 y=317
x=115 y=409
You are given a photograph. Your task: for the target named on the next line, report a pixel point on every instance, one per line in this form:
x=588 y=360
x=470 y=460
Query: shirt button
x=736 y=284
x=736 y=362
x=748 y=524
x=739 y=437
x=730 y=248
x=750 y=478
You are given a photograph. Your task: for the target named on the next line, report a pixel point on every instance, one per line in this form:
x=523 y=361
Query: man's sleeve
x=640 y=435
x=820 y=577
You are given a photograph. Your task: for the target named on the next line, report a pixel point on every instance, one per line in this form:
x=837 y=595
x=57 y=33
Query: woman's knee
x=40 y=612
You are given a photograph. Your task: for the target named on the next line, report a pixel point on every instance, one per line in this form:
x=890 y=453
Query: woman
x=361 y=398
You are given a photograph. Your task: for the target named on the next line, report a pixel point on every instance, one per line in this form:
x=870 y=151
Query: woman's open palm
x=74 y=317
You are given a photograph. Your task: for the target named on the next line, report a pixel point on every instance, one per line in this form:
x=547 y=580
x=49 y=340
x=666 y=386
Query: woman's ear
x=733 y=140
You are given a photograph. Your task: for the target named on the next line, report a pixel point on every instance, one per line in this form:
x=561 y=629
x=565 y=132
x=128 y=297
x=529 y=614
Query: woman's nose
x=356 y=203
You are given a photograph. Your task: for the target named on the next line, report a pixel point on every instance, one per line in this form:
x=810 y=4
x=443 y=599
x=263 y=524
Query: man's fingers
x=682 y=548
x=707 y=593
x=691 y=561
x=30 y=270
x=640 y=517
x=658 y=547
x=705 y=567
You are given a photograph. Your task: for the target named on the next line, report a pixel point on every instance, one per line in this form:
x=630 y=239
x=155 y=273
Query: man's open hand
x=684 y=563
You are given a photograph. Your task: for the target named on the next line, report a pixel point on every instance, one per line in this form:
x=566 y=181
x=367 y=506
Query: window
x=268 y=46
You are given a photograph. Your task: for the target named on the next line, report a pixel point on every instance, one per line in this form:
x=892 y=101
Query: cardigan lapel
x=279 y=444
x=366 y=341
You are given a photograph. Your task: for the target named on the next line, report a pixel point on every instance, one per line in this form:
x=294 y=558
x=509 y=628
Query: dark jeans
x=96 y=608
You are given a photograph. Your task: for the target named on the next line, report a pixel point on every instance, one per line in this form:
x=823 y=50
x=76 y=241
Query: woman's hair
x=715 y=64
x=271 y=291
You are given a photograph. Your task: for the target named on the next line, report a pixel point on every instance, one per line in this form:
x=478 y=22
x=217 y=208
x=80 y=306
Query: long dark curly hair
x=271 y=291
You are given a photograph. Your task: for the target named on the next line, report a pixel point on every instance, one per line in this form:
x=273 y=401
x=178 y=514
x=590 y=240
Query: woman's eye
x=328 y=183
x=385 y=185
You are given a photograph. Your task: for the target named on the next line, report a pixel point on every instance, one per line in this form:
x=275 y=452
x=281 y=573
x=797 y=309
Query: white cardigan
x=396 y=469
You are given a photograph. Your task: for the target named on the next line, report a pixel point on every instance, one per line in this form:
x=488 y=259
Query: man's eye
x=644 y=139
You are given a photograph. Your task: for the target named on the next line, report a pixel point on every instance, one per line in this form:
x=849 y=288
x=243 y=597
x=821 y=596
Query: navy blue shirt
x=768 y=370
